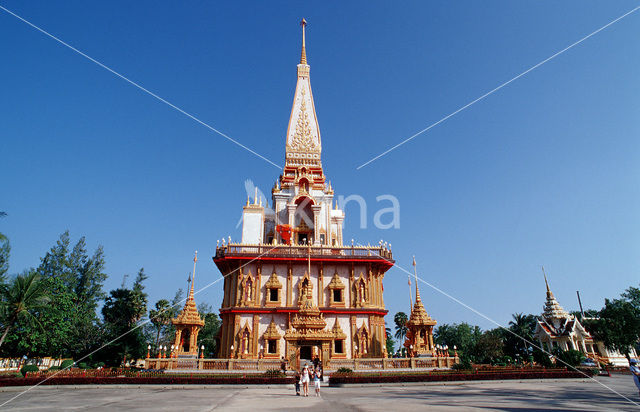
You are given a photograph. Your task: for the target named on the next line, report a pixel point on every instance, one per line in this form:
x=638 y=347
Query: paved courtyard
x=503 y=396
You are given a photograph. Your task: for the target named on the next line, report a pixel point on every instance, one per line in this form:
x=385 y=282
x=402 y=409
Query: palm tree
x=522 y=325
x=400 y=319
x=20 y=298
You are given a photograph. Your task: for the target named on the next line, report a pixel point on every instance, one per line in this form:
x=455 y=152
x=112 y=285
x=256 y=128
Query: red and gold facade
x=292 y=289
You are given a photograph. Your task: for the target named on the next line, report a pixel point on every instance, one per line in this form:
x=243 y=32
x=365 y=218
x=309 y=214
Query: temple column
x=258 y=293
x=339 y=226
x=256 y=327
x=353 y=337
x=320 y=286
x=316 y=223
x=289 y=285
x=291 y=210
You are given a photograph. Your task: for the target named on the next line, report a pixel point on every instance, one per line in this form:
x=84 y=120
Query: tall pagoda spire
x=303 y=133
x=552 y=308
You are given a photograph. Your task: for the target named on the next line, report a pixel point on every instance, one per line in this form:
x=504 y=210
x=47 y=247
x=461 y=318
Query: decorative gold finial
x=303 y=55
x=193 y=277
x=549 y=293
x=415 y=272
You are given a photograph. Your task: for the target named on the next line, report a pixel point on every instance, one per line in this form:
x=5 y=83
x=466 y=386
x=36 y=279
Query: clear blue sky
x=544 y=171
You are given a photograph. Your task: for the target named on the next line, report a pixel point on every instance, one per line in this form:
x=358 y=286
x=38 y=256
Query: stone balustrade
x=239 y=365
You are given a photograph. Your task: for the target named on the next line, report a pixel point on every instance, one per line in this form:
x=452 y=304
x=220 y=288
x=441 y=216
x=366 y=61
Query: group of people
x=309 y=374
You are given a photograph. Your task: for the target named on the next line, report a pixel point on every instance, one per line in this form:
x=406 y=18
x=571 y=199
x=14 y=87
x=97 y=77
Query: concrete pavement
x=486 y=395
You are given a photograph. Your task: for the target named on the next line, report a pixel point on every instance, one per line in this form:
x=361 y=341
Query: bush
x=542 y=358
x=274 y=373
x=568 y=357
x=344 y=370
x=54 y=368
x=67 y=363
x=464 y=364
x=98 y=365
x=83 y=365
x=29 y=368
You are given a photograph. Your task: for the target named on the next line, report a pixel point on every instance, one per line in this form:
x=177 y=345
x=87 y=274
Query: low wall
x=331 y=365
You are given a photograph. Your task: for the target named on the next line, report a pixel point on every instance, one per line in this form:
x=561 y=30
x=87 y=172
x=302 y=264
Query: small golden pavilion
x=419 y=339
x=188 y=324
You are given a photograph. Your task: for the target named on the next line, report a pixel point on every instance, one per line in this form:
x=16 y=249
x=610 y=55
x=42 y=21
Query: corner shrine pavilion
x=292 y=288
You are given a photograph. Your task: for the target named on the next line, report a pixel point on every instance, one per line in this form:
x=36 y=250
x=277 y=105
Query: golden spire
x=193 y=278
x=303 y=55
x=415 y=272
x=549 y=293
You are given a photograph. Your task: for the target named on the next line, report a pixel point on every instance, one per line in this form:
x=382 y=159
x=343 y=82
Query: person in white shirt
x=305 y=380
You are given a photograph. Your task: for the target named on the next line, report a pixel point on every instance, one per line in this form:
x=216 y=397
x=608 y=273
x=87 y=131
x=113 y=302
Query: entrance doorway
x=305 y=354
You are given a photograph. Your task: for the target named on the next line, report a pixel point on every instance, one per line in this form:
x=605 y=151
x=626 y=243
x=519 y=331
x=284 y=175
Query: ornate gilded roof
x=189 y=314
x=419 y=315
x=272 y=331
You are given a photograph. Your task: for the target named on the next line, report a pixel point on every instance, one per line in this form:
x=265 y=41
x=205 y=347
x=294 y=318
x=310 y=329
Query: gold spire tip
x=303 y=55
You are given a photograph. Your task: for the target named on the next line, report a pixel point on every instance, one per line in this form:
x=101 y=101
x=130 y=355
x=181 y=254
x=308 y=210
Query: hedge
x=160 y=380
x=338 y=379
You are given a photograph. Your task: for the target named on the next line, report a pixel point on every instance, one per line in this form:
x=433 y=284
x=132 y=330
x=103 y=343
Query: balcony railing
x=346 y=252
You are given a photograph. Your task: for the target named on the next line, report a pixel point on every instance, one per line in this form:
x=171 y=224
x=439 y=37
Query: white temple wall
x=252 y=227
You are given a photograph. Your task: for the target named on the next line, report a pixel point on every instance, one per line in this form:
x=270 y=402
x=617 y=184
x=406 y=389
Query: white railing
x=299 y=250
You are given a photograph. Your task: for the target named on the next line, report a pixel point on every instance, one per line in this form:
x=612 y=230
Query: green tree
x=463 y=335
x=208 y=336
x=160 y=318
x=518 y=344
x=121 y=312
x=400 y=321
x=488 y=348
x=618 y=325
x=20 y=299
x=390 y=342
x=2 y=236
x=5 y=250
x=70 y=325
x=632 y=295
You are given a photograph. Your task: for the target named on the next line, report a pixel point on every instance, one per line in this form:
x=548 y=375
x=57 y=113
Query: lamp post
x=201 y=351
x=455 y=351
x=148 y=351
x=411 y=351
x=171 y=353
x=231 y=354
x=165 y=352
x=356 y=350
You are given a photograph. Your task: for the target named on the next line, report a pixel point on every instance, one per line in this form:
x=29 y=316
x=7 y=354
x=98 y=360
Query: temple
x=292 y=288
x=556 y=328
x=419 y=339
